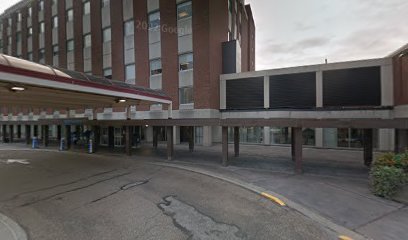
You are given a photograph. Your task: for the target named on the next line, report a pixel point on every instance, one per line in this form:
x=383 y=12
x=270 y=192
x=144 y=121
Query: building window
x=54 y=2
x=55 y=50
x=70 y=45
x=129 y=28
x=9 y=40
x=186 y=95
x=30 y=31
x=41 y=5
x=107 y=73
x=41 y=55
x=42 y=27
x=30 y=56
x=10 y=21
x=30 y=11
x=19 y=17
x=130 y=72
x=87 y=8
x=155 y=67
x=70 y=15
x=87 y=40
x=107 y=37
x=186 y=61
x=55 y=22
x=105 y=3
x=184 y=10
x=154 y=19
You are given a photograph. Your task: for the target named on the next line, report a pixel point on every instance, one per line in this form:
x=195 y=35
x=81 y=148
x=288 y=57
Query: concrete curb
x=13 y=228
x=339 y=230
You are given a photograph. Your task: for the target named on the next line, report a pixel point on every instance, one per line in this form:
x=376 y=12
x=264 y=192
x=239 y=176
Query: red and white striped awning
x=25 y=84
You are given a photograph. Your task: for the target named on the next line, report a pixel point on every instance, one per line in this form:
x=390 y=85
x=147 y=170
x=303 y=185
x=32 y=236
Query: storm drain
x=196 y=224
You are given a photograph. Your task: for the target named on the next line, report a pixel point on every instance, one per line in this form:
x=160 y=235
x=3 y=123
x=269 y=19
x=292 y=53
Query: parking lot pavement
x=67 y=195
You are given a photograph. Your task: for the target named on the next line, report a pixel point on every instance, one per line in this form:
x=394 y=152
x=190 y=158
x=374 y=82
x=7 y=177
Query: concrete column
x=19 y=131
x=96 y=137
x=170 y=143
x=59 y=132
x=225 y=146
x=297 y=149
x=128 y=140
x=45 y=135
x=68 y=136
x=293 y=139
x=319 y=137
x=207 y=136
x=191 y=139
x=155 y=137
x=11 y=134
x=236 y=141
x=368 y=146
x=27 y=134
x=267 y=136
x=4 y=130
x=401 y=140
x=176 y=135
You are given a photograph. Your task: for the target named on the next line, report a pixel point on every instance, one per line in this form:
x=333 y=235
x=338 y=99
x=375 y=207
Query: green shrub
x=401 y=161
x=386 y=181
x=385 y=160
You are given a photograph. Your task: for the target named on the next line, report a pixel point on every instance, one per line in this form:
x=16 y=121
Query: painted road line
x=344 y=238
x=272 y=198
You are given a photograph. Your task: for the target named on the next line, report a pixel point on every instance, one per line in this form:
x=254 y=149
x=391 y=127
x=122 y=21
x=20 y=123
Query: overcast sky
x=302 y=32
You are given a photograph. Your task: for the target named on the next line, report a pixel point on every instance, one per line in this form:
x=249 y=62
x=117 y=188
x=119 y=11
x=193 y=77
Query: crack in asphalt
x=123 y=188
x=73 y=189
x=60 y=185
x=196 y=224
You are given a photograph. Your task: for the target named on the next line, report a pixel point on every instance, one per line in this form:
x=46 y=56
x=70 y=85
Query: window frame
x=68 y=44
x=41 y=52
x=188 y=101
x=133 y=67
x=158 y=71
x=86 y=6
x=105 y=3
x=41 y=27
x=41 y=5
x=192 y=61
x=107 y=70
x=103 y=34
x=183 y=4
x=54 y=22
x=69 y=17
x=55 y=53
x=85 y=40
x=150 y=22
x=133 y=28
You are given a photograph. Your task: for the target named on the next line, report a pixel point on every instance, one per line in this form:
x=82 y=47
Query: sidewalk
x=345 y=201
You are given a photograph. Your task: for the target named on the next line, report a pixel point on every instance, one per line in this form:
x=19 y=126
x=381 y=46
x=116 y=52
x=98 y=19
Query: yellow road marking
x=344 y=238
x=275 y=199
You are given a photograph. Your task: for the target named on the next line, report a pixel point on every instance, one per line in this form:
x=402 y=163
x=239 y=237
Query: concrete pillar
x=319 y=137
x=292 y=147
x=368 y=146
x=4 y=130
x=96 y=130
x=267 y=136
x=225 y=146
x=170 y=143
x=401 y=140
x=155 y=137
x=45 y=136
x=19 y=131
x=27 y=134
x=59 y=132
x=236 y=141
x=68 y=136
x=297 y=148
x=128 y=140
x=11 y=134
x=111 y=137
x=191 y=139
x=176 y=135
x=207 y=136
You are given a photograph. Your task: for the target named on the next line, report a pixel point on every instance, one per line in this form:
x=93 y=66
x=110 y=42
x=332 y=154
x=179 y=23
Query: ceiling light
x=121 y=100
x=17 y=89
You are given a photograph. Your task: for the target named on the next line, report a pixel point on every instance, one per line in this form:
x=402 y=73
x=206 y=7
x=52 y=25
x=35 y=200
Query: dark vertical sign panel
x=296 y=91
x=352 y=87
x=245 y=93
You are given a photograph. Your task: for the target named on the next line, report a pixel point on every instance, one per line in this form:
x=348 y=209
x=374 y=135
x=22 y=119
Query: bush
x=385 y=160
x=386 y=180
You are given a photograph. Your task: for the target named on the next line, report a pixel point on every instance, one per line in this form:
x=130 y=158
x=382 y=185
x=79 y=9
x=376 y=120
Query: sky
x=304 y=32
